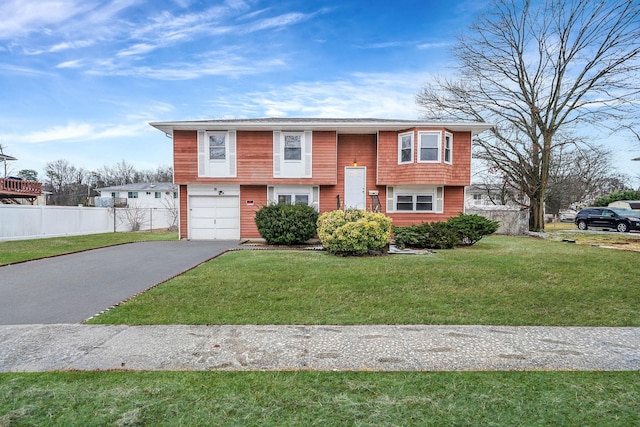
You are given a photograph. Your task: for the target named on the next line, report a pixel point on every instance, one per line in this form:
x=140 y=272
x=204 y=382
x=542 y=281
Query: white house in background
x=139 y=195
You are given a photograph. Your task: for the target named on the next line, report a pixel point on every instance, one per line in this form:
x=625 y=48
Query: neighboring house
x=140 y=195
x=412 y=171
x=490 y=195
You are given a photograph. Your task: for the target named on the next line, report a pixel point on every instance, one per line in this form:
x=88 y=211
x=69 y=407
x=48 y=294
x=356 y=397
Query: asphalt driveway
x=72 y=288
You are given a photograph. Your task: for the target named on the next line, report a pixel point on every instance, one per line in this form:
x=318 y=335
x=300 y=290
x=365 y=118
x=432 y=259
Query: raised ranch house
x=141 y=195
x=413 y=171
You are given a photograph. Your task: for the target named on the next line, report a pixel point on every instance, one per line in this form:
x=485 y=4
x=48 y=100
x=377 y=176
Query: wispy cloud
x=20 y=17
x=15 y=69
x=77 y=63
x=377 y=95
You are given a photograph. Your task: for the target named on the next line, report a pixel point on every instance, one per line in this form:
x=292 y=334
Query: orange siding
x=254 y=160
x=391 y=173
x=359 y=148
x=453 y=205
x=185 y=157
x=184 y=217
x=258 y=194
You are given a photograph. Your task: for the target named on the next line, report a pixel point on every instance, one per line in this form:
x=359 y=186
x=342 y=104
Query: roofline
x=339 y=125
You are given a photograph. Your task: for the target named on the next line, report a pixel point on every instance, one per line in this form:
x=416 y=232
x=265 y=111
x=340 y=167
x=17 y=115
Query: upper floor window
x=448 y=148
x=429 y=146
x=292 y=154
x=217 y=154
x=405 y=147
x=217 y=146
x=293 y=147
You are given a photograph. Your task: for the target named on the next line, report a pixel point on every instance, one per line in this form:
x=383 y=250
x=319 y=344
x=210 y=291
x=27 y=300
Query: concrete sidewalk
x=30 y=348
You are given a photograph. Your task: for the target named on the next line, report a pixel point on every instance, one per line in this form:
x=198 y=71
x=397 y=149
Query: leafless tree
x=171 y=206
x=538 y=68
x=580 y=174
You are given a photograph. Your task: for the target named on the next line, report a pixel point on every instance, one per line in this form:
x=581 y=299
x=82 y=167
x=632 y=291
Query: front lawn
x=320 y=399
x=499 y=281
x=24 y=250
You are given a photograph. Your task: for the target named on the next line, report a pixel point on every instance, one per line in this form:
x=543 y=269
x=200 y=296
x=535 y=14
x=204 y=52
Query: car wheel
x=622 y=227
x=582 y=225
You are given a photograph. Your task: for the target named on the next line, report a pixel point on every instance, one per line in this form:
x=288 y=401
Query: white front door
x=355 y=186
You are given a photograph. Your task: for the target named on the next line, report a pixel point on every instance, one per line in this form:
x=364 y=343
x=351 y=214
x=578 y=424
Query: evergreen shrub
x=285 y=224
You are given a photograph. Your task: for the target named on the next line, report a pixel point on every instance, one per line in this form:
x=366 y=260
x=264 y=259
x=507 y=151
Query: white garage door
x=214 y=217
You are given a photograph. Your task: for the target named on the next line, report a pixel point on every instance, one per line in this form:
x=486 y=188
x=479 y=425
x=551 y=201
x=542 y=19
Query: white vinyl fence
x=31 y=222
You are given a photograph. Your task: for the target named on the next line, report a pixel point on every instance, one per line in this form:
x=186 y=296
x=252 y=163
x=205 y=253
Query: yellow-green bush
x=354 y=232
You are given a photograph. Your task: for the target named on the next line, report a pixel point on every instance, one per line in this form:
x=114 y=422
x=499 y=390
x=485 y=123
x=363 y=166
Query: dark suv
x=619 y=219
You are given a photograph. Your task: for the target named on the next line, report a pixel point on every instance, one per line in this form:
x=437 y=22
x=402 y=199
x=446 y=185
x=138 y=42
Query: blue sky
x=81 y=79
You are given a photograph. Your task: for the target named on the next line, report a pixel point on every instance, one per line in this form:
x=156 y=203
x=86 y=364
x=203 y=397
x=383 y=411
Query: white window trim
x=436 y=192
x=444 y=157
x=312 y=191
x=217 y=168
x=438 y=147
x=305 y=164
x=411 y=134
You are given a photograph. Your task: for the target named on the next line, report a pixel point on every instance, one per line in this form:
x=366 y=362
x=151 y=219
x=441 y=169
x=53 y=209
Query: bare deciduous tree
x=538 y=68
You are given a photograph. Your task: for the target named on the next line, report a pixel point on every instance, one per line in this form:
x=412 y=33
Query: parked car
x=567 y=215
x=619 y=219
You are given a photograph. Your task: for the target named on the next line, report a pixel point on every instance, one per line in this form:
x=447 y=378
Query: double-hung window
x=405 y=148
x=217 y=146
x=132 y=195
x=429 y=147
x=217 y=153
x=293 y=147
x=292 y=154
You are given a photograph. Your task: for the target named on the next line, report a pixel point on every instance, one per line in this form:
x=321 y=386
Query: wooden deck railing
x=18 y=187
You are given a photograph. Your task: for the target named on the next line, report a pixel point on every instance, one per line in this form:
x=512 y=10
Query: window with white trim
x=217 y=154
x=292 y=154
x=132 y=195
x=429 y=147
x=415 y=198
x=405 y=148
x=217 y=146
x=294 y=195
x=293 y=147
x=448 y=148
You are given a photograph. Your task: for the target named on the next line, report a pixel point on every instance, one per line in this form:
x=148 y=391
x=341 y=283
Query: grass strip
x=320 y=398
x=499 y=281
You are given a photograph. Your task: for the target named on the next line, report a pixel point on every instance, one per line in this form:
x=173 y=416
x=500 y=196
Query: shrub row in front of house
x=358 y=232
x=461 y=230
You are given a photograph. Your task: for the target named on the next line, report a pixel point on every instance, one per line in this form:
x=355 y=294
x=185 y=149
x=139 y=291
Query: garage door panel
x=214 y=217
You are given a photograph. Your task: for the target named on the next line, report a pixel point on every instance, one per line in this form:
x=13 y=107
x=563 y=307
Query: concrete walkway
x=27 y=348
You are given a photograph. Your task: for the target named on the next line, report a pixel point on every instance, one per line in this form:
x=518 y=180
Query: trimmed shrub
x=461 y=230
x=285 y=224
x=472 y=228
x=354 y=232
x=434 y=235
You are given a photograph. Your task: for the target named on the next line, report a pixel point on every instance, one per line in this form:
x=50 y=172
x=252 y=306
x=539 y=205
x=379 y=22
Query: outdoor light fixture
x=355 y=162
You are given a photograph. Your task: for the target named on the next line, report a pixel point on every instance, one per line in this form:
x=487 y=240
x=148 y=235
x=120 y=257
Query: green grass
x=24 y=250
x=499 y=281
x=321 y=399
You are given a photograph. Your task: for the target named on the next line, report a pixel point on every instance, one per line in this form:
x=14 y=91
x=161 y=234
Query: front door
x=355 y=183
